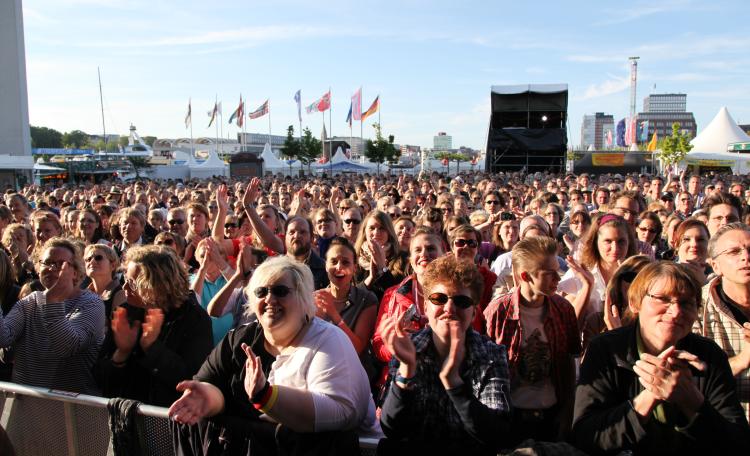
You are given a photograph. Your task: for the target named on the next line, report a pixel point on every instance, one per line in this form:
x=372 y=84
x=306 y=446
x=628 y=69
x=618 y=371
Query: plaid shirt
x=503 y=317
x=485 y=370
x=717 y=323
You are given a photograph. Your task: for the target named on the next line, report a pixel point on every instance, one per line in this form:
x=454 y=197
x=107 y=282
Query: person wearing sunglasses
x=177 y=221
x=448 y=391
x=351 y=219
x=653 y=387
x=102 y=263
x=493 y=202
x=160 y=336
x=615 y=312
x=55 y=334
x=465 y=242
x=648 y=231
x=540 y=331
x=290 y=367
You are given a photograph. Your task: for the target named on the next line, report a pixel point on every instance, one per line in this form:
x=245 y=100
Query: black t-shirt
x=732 y=306
x=225 y=368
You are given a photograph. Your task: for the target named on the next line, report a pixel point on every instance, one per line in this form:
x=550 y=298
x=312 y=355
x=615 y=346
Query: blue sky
x=431 y=62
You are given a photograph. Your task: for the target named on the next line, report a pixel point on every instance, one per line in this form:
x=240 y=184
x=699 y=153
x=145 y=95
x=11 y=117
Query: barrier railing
x=41 y=421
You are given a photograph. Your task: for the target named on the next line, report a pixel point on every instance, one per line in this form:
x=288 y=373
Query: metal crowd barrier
x=47 y=422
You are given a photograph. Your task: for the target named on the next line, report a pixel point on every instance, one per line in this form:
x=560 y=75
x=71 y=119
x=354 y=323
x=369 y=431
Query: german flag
x=373 y=108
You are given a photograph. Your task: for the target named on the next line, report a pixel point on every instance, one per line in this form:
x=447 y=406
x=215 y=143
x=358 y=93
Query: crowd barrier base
x=41 y=421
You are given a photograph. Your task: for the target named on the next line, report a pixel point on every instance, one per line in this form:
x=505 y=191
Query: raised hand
x=611 y=314
x=151 y=327
x=583 y=274
x=194 y=403
x=124 y=334
x=456 y=354
x=222 y=200
x=64 y=287
x=399 y=343
x=377 y=253
x=251 y=193
x=326 y=308
x=255 y=379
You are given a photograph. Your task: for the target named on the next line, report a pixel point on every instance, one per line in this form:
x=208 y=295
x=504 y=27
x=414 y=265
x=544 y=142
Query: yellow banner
x=710 y=163
x=607 y=159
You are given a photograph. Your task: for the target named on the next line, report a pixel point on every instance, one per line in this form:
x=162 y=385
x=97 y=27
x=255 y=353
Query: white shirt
x=569 y=284
x=326 y=365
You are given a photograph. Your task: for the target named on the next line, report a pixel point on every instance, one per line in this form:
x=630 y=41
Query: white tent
x=710 y=146
x=339 y=156
x=184 y=158
x=275 y=165
x=213 y=166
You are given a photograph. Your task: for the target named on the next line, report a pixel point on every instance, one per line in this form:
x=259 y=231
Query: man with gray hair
x=725 y=316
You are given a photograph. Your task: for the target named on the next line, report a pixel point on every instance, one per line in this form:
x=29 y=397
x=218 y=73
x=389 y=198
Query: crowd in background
x=598 y=313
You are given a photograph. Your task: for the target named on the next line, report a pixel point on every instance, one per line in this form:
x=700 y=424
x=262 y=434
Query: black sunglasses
x=230 y=225
x=465 y=242
x=505 y=216
x=352 y=221
x=460 y=301
x=493 y=202
x=279 y=291
x=176 y=222
x=166 y=242
x=98 y=257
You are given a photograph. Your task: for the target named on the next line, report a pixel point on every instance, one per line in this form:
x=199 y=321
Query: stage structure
x=527 y=128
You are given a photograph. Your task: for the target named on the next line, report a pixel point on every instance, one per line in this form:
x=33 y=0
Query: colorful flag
x=621 y=133
x=212 y=114
x=238 y=114
x=644 y=131
x=631 y=134
x=373 y=108
x=320 y=105
x=609 y=138
x=260 y=112
x=298 y=99
x=349 y=116
x=356 y=108
x=652 y=144
x=189 y=115
x=218 y=109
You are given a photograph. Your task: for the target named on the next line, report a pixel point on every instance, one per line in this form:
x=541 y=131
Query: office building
x=442 y=141
x=662 y=110
x=594 y=130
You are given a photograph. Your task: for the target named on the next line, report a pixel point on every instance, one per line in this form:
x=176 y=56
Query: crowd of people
x=475 y=313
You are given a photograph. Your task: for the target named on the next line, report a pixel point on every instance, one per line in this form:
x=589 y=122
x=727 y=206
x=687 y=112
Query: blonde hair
x=679 y=279
x=276 y=268
x=529 y=252
x=108 y=252
x=163 y=280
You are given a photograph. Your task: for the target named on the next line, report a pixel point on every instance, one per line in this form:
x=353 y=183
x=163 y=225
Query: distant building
x=442 y=141
x=594 y=130
x=662 y=110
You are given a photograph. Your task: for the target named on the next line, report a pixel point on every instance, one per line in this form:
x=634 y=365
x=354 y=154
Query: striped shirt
x=717 y=323
x=56 y=344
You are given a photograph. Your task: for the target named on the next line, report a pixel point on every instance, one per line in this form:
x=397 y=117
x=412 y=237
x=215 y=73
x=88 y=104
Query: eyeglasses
x=624 y=210
x=352 y=221
x=393 y=215
x=471 y=243
x=166 y=242
x=460 y=301
x=492 y=202
x=732 y=252
x=324 y=221
x=52 y=264
x=279 y=291
x=230 y=225
x=664 y=301
x=176 y=222
x=643 y=229
x=98 y=257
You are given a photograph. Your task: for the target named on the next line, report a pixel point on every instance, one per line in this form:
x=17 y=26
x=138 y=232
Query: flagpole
x=330 y=123
x=221 y=129
x=269 y=121
x=216 y=107
x=192 y=145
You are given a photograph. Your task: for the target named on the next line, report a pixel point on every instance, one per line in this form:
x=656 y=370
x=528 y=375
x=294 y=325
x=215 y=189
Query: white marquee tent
x=273 y=164
x=213 y=166
x=710 y=146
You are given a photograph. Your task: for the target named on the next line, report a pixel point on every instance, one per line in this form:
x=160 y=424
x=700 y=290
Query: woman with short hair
x=102 y=264
x=89 y=227
x=691 y=243
x=654 y=387
x=289 y=368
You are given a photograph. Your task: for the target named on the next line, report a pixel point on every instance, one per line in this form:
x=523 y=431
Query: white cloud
x=612 y=85
x=633 y=12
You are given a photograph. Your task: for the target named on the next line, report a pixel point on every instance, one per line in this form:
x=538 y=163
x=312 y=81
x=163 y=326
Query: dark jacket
x=605 y=421
x=184 y=342
x=318 y=268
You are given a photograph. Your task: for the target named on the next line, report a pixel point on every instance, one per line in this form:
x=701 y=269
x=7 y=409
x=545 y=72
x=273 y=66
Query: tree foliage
x=43 y=137
x=75 y=139
x=381 y=150
x=292 y=147
x=138 y=164
x=675 y=148
x=310 y=149
x=456 y=157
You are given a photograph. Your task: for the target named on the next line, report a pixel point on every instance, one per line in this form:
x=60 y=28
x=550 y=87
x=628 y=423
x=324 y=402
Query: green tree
x=43 y=137
x=75 y=139
x=138 y=164
x=310 y=149
x=456 y=157
x=674 y=148
x=381 y=150
x=123 y=141
x=292 y=147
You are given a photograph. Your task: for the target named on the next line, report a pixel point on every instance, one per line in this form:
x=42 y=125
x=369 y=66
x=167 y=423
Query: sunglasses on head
x=460 y=301
x=465 y=242
x=176 y=222
x=279 y=291
x=98 y=257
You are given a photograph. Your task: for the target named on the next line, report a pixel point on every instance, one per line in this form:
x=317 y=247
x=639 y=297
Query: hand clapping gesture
x=255 y=379
x=449 y=372
x=399 y=343
x=151 y=327
x=124 y=333
x=326 y=308
x=64 y=288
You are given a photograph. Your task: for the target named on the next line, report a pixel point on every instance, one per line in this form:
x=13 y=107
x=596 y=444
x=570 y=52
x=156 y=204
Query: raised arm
x=266 y=235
